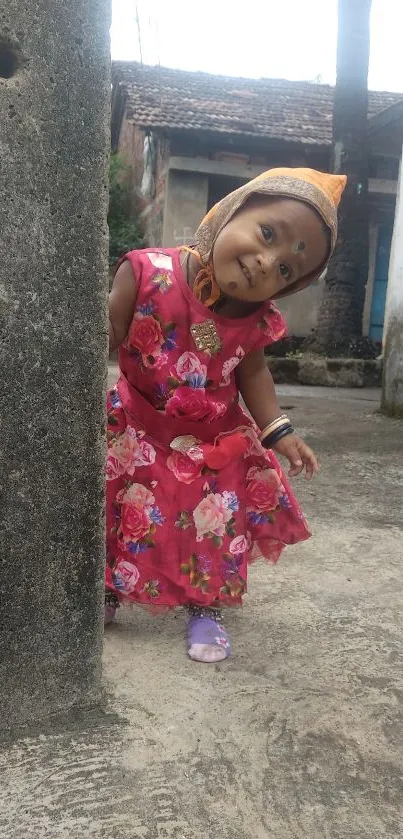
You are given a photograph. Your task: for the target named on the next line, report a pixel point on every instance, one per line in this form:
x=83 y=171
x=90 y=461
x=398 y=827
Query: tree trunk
x=341 y=311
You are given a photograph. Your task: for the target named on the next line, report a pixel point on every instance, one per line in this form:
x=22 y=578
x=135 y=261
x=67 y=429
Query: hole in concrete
x=10 y=59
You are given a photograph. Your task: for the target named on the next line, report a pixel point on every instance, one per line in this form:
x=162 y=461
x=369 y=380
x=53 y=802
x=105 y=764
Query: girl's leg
x=111 y=604
x=208 y=641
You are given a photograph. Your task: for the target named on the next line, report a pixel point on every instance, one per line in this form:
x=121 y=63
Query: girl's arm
x=122 y=300
x=256 y=386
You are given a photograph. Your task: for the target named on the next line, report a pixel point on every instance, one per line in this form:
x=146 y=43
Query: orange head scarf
x=320 y=190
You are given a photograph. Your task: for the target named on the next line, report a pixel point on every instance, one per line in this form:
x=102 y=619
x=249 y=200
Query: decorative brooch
x=206 y=337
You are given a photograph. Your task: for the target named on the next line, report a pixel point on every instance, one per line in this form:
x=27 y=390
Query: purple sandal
x=208 y=641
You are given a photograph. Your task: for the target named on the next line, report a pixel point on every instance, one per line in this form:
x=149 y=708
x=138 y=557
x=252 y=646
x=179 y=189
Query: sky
x=289 y=39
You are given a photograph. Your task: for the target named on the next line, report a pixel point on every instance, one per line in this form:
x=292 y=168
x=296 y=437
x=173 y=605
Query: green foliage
x=124 y=231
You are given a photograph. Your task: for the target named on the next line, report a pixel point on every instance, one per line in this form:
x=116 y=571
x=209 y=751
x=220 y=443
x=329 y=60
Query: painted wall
x=185 y=206
x=301 y=310
x=392 y=392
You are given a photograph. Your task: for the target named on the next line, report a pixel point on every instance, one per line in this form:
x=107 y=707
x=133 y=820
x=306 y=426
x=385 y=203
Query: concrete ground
x=300 y=734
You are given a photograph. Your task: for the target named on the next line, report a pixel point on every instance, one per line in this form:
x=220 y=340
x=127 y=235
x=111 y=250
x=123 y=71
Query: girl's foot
x=111 y=604
x=109 y=614
x=208 y=641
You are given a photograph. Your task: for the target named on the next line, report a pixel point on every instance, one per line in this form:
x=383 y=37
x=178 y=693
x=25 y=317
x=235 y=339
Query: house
x=192 y=137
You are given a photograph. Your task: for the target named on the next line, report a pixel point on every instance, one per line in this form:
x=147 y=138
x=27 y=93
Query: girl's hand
x=299 y=455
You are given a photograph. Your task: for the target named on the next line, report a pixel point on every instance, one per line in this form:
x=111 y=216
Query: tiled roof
x=301 y=112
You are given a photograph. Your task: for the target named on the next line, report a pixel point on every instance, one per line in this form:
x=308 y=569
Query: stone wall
x=54 y=140
x=326 y=372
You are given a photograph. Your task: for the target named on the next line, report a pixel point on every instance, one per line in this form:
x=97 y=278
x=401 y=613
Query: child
x=194 y=491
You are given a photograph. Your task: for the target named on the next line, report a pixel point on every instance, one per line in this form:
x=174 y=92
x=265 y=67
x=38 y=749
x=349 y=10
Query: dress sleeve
x=133 y=257
x=271 y=328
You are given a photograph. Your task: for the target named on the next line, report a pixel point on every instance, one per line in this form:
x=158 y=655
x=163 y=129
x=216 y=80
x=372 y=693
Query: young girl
x=194 y=491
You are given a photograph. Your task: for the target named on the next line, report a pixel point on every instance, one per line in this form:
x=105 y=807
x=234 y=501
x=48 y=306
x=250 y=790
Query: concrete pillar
x=54 y=139
x=185 y=206
x=392 y=390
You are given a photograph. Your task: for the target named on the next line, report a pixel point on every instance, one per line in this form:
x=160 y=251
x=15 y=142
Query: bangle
x=273 y=425
x=274 y=438
x=282 y=421
x=277 y=426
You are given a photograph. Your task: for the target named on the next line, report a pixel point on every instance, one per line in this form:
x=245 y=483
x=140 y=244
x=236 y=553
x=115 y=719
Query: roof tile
x=158 y=97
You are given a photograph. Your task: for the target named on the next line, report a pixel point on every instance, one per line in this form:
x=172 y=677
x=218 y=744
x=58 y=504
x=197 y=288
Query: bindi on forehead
x=300 y=246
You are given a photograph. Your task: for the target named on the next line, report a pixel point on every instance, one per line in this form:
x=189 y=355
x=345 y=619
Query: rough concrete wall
x=54 y=140
x=392 y=391
x=185 y=206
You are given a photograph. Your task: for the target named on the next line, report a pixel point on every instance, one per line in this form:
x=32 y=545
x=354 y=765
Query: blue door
x=380 y=281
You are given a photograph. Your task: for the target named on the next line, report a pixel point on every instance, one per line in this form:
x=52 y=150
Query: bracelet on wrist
x=271 y=439
x=279 y=422
x=274 y=426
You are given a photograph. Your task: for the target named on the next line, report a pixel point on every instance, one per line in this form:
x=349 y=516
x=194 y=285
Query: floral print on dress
x=162 y=281
x=263 y=492
x=149 y=337
x=197 y=568
x=126 y=576
x=127 y=452
x=230 y=365
x=233 y=587
x=184 y=467
x=189 y=370
x=187 y=395
x=240 y=545
x=194 y=404
x=179 y=531
x=233 y=564
x=160 y=260
x=214 y=516
x=140 y=517
x=273 y=326
x=152 y=588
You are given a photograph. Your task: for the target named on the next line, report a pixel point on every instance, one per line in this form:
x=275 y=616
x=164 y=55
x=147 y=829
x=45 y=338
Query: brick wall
x=147 y=155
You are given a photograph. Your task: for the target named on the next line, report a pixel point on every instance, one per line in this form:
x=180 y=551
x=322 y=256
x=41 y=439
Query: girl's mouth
x=246 y=273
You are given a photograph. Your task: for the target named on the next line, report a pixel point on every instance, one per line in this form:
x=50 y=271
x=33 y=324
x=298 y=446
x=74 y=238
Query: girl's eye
x=267 y=233
x=285 y=271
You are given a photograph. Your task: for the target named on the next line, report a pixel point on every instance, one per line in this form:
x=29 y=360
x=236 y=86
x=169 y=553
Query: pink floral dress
x=192 y=496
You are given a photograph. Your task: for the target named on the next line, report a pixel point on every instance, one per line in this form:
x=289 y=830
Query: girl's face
x=267 y=246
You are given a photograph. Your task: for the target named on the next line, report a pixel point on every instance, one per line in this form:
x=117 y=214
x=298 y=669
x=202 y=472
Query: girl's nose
x=266 y=263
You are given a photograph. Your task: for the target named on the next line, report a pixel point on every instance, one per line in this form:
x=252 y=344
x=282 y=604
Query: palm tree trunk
x=340 y=316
